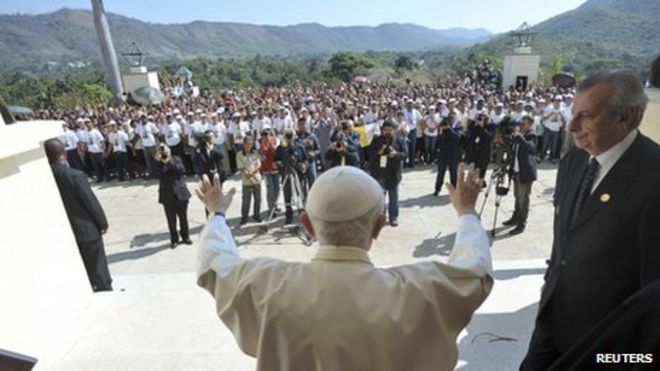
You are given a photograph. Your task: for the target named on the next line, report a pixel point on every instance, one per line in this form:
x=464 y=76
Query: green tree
x=345 y=66
x=404 y=62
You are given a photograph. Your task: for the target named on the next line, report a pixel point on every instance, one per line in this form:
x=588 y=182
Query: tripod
x=296 y=201
x=497 y=178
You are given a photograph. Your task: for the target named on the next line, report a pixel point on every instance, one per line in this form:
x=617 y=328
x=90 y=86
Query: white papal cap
x=343 y=193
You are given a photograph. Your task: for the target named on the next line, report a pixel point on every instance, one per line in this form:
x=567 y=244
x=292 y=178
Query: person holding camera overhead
x=523 y=172
x=388 y=152
x=173 y=194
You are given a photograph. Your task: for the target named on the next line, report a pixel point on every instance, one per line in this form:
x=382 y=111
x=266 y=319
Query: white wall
x=43 y=284
x=520 y=65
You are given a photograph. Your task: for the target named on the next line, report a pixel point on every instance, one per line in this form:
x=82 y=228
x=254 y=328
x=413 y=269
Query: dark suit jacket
x=172 y=187
x=612 y=250
x=526 y=152
x=391 y=174
x=82 y=207
x=449 y=145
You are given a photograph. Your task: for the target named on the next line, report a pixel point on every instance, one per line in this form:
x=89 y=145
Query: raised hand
x=468 y=186
x=212 y=196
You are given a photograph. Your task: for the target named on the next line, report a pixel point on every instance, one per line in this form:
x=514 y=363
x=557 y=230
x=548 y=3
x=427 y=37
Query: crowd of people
x=271 y=135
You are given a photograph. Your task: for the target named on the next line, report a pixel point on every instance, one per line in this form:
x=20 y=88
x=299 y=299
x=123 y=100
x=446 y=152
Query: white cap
x=343 y=193
x=176 y=111
x=558 y=97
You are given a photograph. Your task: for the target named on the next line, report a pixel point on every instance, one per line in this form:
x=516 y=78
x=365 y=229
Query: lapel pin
x=605 y=197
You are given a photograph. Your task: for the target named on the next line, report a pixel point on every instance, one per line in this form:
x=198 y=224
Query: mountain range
x=598 y=34
x=69 y=34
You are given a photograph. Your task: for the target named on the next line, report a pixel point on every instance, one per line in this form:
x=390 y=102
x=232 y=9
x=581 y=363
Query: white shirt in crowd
x=495 y=118
x=119 y=140
x=148 y=133
x=259 y=124
x=552 y=118
x=83 y=135
x=432 y=122
x=282 y=124
x=69 y=139
x=239 y=130
x=96 y=141
x=193 y=130
x=172 y=133
x=220 y=131
x=412 y=117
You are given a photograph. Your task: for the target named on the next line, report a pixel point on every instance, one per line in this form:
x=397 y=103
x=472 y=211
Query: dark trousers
x=248 y=192
x=521 y=192
x=96 y=264
x=99 y=166
x=550 y=143
x=177 y=209
x=288 y=184
x=392 y=202
x=74 y=160
x=542 y=352
x=121 y=161
x=412 y=145
x=429 y=147
x=445 y=162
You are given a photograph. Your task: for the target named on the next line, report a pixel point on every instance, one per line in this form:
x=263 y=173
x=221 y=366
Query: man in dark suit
x=448 y=155
x=173 y=194
x=524 y=173
x=85 y=214
x=388 y=152
x=607 y=207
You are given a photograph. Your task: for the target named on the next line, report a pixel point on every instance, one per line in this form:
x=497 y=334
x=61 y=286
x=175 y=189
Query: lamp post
x=108 y=51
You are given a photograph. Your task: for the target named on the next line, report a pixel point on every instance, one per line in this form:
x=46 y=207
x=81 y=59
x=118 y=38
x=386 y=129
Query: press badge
x=383 y=161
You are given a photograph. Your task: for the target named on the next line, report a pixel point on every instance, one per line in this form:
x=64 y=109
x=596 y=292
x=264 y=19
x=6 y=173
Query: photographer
x=524 y=173
x=208 y=160
x=290 y=159
x=388 y=152
x=448 y=155
x=312 y=151
x=476 y=143
x=341 y=152
x=173 y=194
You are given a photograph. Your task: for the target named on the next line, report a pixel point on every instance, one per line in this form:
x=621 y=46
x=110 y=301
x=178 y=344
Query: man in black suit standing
x=85 y=214
x=173 y=194
x=388 y=152
x=448 y=155
x=524 y=173
x=607 y=207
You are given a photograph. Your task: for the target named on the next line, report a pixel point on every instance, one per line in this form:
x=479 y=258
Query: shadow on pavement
x=143 y=239
x=137 y=254
x=426 y=201
x=509 y=274
x=497 y=341
x=435 y=246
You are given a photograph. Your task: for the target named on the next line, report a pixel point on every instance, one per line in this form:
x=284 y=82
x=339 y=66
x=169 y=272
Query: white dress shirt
x=609 y=158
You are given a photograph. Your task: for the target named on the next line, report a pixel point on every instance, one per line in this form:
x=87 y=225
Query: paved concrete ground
x=158 y=319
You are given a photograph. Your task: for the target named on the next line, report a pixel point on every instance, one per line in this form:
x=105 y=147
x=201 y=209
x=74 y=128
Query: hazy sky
x=494 y=15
